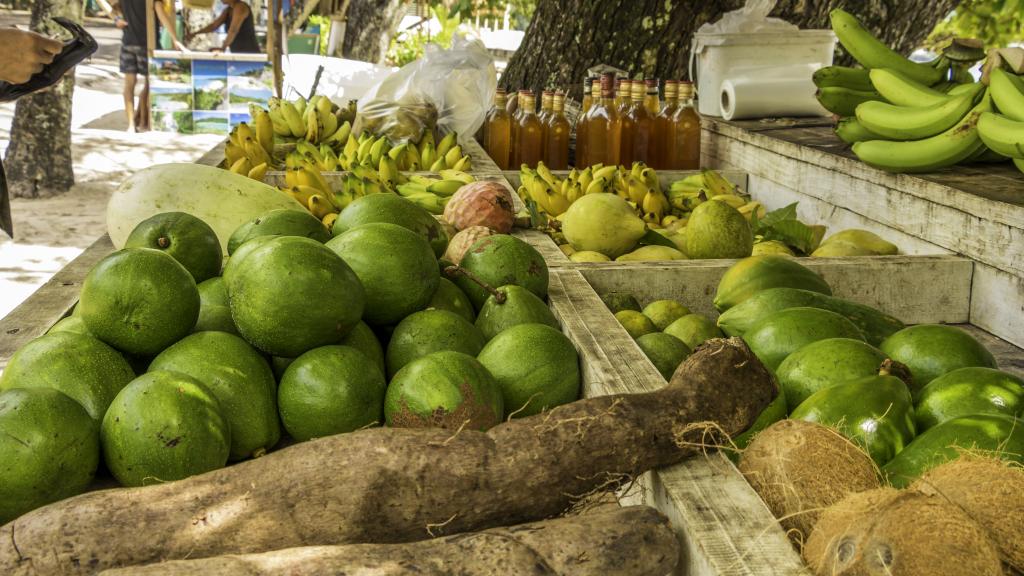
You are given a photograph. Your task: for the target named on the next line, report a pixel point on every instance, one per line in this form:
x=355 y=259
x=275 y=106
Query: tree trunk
x=39 y=157
x=369 y=26
x=652 y=37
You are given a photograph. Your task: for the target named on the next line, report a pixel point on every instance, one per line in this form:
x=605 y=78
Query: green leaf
x=653 y=238
x=793 y=233
x=774 y=217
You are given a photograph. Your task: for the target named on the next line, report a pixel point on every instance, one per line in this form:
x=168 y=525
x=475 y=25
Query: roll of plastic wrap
x=760 y=96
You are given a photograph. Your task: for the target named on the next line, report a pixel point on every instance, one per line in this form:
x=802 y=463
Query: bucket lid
x=734 y=38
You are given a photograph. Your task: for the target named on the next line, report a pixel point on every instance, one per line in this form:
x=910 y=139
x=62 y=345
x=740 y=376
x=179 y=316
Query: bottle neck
x=529 y=106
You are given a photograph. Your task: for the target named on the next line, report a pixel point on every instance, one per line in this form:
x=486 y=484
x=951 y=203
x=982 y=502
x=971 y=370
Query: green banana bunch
x=842 y=77
x=844 y=101
x=914 y=123
x=433 y=193
x=958 y=143
x=1002 y=135
x=903 y=90
x=872 y=53
x=1007 y=91
x=850 y=130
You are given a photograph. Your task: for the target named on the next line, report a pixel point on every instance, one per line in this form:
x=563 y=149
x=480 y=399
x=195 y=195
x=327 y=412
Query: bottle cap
x=685 y=89
x=651 y=83
x=638 y=91
x=607 y=85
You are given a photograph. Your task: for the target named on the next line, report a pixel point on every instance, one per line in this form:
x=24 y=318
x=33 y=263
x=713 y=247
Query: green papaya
x=931 y=350
x=751 y=275
x=781 y=333
x=875 y=324
x=875 y=412
x=966 y=391
x=825 y=363
x=996 y=433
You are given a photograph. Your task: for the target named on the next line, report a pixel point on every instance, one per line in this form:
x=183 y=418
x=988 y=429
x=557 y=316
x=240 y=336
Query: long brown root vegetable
x=634 y=541
x=398 y=485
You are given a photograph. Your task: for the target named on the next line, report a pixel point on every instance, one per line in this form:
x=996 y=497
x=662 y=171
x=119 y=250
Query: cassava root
x=387 y=485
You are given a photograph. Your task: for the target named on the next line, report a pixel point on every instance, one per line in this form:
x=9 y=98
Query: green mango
x=519 y=307
x=876 y=325
x=967 y=391
x=875 y=412
x=995 y=433
x=693 y=330
x=931 y=350
x=778 y=335
x=826 y=363
x=751 y=275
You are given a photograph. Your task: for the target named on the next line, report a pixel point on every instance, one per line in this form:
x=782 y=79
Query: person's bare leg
x=129 y=100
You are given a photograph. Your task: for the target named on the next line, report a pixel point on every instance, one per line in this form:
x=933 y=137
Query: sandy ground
x=50 y=232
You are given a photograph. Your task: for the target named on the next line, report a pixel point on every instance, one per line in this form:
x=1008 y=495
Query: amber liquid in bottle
x=685 y=131
x=530 y=138
x=513 y=154
x=588 y=100
x=651 y=100
x=583 y=157
x=546 y=103
x=622 y=96
x=498 y=131
x=604 y=126
x=641 y=129
x=661 y=146
x=556 y=138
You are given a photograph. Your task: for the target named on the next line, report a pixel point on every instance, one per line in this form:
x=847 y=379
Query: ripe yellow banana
x=462 y=164
x=446 y=143
x=445 y=187
x=388 y=171
x=258 y=172
x=452 y=174
x=430 y=202
x=451 y=157
x=329 y=220
x=319 y=206
x=265 y=131
x=241 y=166
x=293 y=118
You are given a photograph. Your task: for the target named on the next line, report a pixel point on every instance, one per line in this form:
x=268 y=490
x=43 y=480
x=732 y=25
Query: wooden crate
x=724 y=527
x=974 y=210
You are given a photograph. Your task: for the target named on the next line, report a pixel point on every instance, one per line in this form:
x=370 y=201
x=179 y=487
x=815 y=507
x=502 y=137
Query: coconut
x=482 y=203
x=836 y=521
x=800 y=468
x=900 y=533
x=461 y=242
x=991 y=492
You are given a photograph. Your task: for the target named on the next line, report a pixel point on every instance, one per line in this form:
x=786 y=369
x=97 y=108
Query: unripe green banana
x=952 y=146
x=872 y=53
x=1008 y=93
x=843 y=101
x=913 y=123
x=958 y=89
x=1002 y=135
x=1019 y=163
x=903 y=91
x=850 y=130
x=842 y=77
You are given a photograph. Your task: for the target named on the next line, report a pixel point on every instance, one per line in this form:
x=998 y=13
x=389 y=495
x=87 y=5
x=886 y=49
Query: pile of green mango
x=912 y=397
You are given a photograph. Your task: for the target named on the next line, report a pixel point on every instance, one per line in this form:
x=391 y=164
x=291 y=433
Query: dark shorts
x=134 y=60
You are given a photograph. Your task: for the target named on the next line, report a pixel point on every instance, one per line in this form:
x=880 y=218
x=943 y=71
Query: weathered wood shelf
x=974 y=210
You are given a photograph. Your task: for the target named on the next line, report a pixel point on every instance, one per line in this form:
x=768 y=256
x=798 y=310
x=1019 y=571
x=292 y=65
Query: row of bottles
x=620 y=123
x=527 y=137
x=630 y=124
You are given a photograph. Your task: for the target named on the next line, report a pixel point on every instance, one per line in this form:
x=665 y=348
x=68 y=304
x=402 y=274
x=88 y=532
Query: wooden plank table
x=976 y=210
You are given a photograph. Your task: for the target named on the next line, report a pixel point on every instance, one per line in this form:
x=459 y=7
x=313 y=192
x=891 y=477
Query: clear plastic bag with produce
x=445 y=90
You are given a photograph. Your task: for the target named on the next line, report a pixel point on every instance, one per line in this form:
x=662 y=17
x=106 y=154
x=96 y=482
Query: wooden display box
x=723 y=525
x=975 y=210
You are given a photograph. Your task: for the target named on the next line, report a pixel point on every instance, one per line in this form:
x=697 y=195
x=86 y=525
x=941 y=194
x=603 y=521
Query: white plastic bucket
x=714 y=56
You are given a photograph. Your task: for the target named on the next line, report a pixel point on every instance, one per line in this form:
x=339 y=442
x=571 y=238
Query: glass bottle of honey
x=556 y=135
x=604 y=126
x=498 y=131
x=583 y=158
x=529 y=131
x=546 y=99
x=637 y=129
x=685 y=131
x=622 y=96
x=587 y=99
x=651 y=101
x=661 y=147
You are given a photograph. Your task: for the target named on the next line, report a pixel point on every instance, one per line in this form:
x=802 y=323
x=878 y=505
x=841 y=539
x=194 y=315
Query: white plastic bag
x=753 y=17
x=446 y=90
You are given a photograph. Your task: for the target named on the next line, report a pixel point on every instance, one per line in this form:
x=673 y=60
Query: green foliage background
x=997 y=23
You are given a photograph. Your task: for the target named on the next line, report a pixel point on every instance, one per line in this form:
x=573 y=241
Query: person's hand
x=181 y=46
x=25 y=53
x=121 y=23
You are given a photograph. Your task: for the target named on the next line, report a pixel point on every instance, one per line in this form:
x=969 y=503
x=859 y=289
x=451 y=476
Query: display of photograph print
x=180 y=121
x=248 y=83
x=210 y=122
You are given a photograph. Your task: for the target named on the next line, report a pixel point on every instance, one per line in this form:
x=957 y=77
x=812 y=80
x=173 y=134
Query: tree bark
x=38 y=159
x=652 y=37
x=369 y=26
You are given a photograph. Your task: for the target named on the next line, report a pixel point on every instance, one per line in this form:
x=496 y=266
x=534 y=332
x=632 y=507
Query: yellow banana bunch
x=249 y=151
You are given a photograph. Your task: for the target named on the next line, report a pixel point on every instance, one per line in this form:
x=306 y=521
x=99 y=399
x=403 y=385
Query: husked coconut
x=800 y=468
x=991 y=492
x=900 y=533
